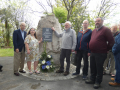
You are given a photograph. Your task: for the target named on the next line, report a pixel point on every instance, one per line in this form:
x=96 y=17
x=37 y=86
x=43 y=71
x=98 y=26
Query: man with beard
x=101 y=42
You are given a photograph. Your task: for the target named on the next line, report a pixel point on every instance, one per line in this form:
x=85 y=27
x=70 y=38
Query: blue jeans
x=117 y=67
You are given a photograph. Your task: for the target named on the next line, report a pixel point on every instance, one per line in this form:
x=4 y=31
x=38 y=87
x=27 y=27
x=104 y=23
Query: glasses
x=32 y=30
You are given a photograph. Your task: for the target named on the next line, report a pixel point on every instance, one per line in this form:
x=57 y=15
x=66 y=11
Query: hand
x=40 y=40
x=72 y=50
x=75 y=52
x=28 y=51
x=53 y=28
x=17 y=50
x=88 y=54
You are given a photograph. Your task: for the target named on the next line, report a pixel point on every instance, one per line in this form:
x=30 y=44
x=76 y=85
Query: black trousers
x=96 y=66
x=82 y=54
x=65 y=53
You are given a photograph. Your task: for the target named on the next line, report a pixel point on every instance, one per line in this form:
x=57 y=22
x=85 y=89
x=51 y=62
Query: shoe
x=89 y=81
x=75 y=73
x=22 y=71
x=84 y=77
x=17 y=74
x=1 y=68
x=66 y=73
x=59 y=71
x=30 y=72
x=112 y=79
x=37 y=72
x=115 y=84
x=96 y=85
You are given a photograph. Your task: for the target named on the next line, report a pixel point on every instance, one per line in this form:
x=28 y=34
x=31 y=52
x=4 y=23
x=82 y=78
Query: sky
x=35 y=17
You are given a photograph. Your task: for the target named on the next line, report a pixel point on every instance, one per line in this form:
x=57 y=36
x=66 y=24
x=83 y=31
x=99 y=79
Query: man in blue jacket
x=19 y=49
x=116 y=52
x=82 y=48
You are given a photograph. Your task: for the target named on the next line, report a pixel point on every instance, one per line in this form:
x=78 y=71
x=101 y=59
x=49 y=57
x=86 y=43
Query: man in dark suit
x=19 y=49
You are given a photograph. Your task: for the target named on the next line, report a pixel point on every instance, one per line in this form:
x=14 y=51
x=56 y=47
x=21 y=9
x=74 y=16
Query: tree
x=60 y=13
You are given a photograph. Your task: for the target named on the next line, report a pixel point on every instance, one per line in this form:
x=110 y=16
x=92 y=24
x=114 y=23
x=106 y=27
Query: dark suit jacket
x=18 y=41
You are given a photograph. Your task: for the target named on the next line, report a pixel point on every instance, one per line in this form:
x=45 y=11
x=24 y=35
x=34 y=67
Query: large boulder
x=52 y=48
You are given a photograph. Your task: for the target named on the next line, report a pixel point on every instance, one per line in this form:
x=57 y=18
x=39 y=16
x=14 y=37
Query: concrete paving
x=10 y=82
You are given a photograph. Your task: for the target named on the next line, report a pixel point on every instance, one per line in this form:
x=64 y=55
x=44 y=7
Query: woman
x=32 y=50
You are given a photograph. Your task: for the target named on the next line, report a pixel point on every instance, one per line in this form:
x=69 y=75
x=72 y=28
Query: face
x=98 y=22
x=32 y=31
x=114 y=29
x=85 y=24
x=67 y=26
x=22 y=26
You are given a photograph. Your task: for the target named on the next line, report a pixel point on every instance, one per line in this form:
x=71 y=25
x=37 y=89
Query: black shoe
x=96 y=85
x=75 y=73
x=22 y=71
x=84 y=77
x=16 y=74
x=59 y=71
x=1 y=68
x=89 y=81
x=66 y=73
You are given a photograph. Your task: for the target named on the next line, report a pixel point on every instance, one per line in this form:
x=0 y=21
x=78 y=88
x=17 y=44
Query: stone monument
x=52 y=48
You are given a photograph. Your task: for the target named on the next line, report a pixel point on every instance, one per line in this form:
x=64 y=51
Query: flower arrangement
x=46 y=62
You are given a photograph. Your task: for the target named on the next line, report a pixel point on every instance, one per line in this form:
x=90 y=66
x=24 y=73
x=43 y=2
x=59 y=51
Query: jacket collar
x=85 y=31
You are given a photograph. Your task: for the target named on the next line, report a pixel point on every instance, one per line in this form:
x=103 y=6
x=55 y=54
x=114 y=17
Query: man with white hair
x=19 y=49
x=68 y=45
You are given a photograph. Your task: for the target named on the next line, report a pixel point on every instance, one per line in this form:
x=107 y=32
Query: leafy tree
x=60 y=13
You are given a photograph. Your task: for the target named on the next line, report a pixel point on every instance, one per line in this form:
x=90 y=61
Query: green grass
x=8 y=52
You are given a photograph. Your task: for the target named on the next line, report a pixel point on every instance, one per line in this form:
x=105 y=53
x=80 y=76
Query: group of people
x=96 y=44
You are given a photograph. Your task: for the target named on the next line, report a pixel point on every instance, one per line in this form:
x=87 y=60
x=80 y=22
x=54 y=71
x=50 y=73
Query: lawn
x=7 y=52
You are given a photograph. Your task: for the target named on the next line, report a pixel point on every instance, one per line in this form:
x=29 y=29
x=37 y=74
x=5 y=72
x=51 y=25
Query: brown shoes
x=114 y=84
x=66 y=73
x=112 y=79
x=59 y=71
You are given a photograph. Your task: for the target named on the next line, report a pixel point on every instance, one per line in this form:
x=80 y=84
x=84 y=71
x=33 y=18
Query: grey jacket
x=68 y=39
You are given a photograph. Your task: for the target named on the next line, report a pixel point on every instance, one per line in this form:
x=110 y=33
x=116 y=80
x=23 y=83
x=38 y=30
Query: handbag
x=74 y=58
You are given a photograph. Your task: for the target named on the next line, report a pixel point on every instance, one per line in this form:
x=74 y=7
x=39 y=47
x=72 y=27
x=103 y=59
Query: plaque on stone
x=47 y=34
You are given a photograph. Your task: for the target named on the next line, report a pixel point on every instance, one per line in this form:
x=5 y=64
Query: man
x=101 y=42
x=110 y=55
x=19 y=49
x=68 y=45
x=116 y=52
x=82 y=48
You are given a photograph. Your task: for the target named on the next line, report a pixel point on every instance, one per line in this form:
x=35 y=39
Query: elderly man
x=19 y=49
x=116 y=52
x=110 y=54
x=68 y=45
x=101 y=42
x=82 y=48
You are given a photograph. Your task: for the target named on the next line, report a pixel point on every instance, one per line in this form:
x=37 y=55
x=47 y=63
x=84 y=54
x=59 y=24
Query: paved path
x=10 y=82
x=50 y=76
